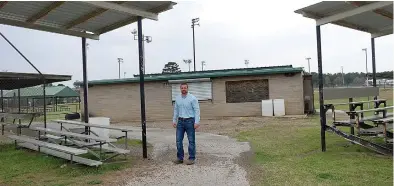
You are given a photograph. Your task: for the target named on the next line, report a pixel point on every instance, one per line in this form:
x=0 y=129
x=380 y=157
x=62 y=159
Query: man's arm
x=176 y=113
x=196 y=108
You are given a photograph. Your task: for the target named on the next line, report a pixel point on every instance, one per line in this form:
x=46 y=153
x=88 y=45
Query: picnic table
x=17 y=116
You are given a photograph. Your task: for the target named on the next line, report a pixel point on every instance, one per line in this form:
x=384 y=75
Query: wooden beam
x=341 y=23
x=130 y=20
x=44 y=11
x=377 y=11
x=48 y=28
x=123 y=9
x=358 y=10
x=2 y=4
x=88 y=16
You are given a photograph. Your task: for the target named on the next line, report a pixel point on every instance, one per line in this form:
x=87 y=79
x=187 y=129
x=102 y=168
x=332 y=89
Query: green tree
x=171 y=67
x=327 y=81
x=358 y=81
x=337 y=81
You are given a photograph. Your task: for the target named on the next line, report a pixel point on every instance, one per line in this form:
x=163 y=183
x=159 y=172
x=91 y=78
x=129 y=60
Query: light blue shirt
x=186 y=107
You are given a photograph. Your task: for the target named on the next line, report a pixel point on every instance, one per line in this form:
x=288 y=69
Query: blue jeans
x=188 y=127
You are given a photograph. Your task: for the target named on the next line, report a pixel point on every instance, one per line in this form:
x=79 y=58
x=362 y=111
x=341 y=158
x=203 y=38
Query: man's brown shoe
x=178 y=161
x=190 y=162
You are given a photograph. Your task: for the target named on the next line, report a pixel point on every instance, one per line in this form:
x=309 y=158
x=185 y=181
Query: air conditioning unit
x=273 y=107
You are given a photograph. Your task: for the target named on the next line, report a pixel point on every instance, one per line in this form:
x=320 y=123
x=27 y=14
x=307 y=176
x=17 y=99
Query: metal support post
x=142 y=88
x=373 y=64
x=85 y=85
x=321 y=97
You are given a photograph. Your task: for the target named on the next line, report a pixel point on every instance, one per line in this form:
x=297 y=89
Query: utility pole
x=202 y=65
x=366 y=70
x=343 y=77
x=194 y=23
x=366 y=65
x=309 y=65
x=120 y=60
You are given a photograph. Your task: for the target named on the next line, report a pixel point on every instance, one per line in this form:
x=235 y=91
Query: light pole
x=246 y=63
x=187 y=61
x=148 y=39
x=309 y=65
x=366 y=70
x=120 y=60
x=195 y=22
x=366 y=65
x=202 y=65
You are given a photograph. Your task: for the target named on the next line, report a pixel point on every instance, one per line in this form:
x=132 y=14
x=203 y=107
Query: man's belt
x=183 y=119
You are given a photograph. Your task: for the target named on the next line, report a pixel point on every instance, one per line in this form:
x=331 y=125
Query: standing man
x=186 y=119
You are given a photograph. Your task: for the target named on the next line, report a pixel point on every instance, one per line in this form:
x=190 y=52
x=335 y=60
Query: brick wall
x=121 y=102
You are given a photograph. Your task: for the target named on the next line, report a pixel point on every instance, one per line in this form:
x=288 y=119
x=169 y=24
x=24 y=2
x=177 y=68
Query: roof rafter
x=342 y=23
x=88 y=16
x=2 y=4
x=48 y=29
x=127 y=21
x=358 y=10
x=377 y=11
x=123 y=9
x=45 y=11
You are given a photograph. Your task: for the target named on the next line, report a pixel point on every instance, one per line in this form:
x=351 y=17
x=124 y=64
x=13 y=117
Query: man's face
x=184 y=89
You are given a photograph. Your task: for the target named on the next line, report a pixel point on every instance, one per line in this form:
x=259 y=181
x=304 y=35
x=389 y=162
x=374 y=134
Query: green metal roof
x=203 y=74
x=54 y=91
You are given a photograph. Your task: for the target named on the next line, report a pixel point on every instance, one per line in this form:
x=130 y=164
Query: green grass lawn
x=27 y=167
x=290 y=154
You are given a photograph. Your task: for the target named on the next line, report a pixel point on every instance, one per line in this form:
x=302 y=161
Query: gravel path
x=220 y=161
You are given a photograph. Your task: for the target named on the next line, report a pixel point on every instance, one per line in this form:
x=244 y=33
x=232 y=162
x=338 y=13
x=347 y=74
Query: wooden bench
x=65 y=152
x=358 y=119
x=122 y=129
x=387 y=124
x=352 y=105
x=352 y=122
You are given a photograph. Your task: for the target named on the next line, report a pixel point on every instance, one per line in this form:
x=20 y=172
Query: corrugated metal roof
x=15 y=80
x=76 y=17
x=378 y=22
x=203 y=74
x=54 y=91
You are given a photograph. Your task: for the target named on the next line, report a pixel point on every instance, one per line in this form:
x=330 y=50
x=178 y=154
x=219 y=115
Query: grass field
x=290 y=154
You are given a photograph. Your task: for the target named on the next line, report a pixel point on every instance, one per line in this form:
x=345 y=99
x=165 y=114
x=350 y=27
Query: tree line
x=348 y=79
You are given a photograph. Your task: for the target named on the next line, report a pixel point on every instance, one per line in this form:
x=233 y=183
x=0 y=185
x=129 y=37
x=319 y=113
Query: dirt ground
x=228 y=126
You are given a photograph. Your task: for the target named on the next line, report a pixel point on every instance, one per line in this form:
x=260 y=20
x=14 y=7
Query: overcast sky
x=265 y=33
